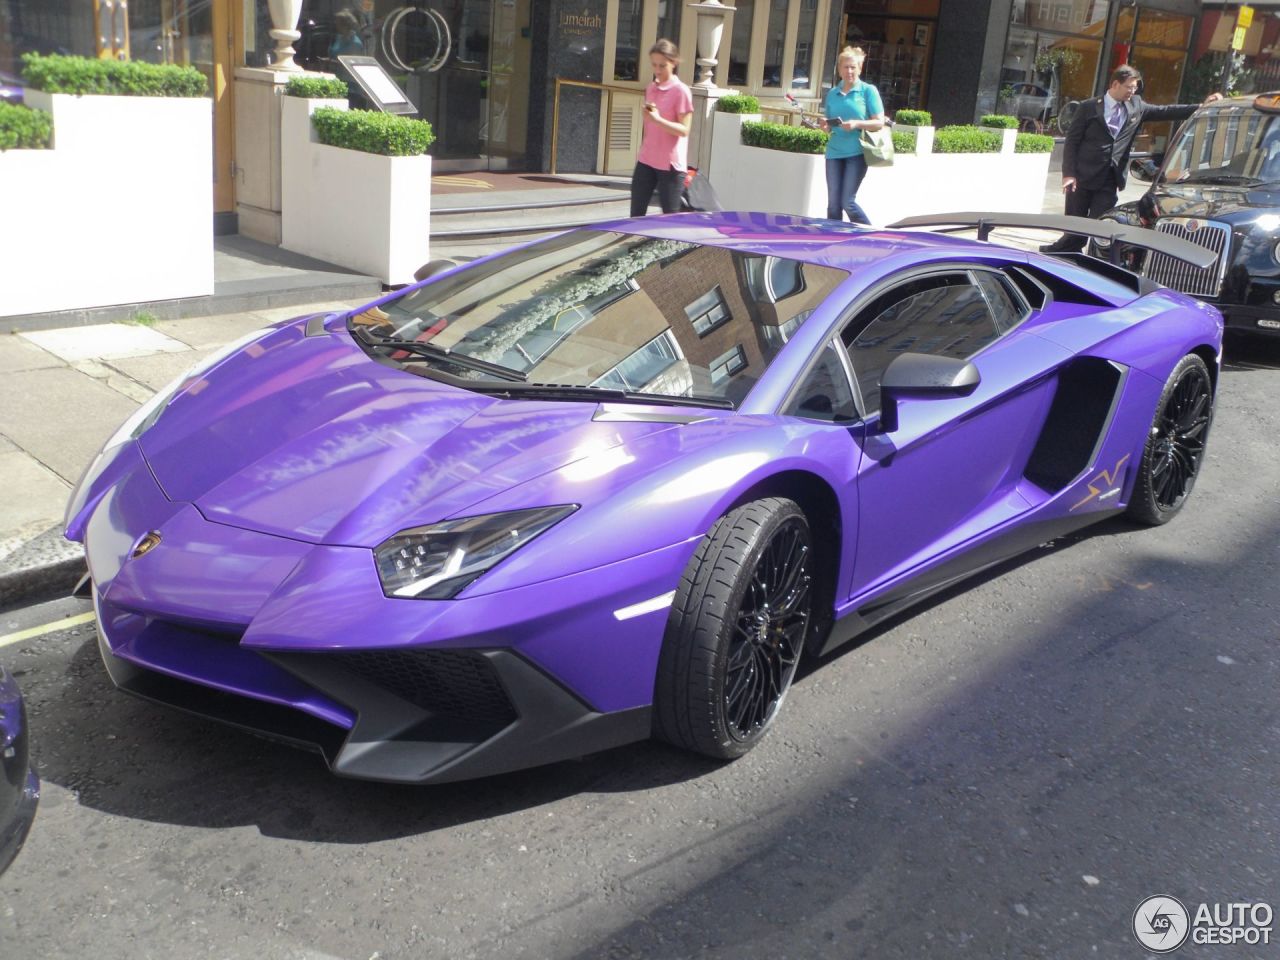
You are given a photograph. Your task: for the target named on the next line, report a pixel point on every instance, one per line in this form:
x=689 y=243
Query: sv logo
x=1105 y=485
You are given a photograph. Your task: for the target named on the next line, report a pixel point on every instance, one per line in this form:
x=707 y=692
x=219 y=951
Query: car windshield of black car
x=1235 y=145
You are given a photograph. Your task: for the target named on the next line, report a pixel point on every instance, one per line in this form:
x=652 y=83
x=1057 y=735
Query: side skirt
x=967 y=563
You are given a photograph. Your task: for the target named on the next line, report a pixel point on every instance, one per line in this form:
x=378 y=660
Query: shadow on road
x=1251 y=351
x=136 y=759
x=1028 y=812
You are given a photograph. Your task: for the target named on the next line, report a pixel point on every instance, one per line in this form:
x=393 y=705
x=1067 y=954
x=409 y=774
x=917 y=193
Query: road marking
x=47 y=628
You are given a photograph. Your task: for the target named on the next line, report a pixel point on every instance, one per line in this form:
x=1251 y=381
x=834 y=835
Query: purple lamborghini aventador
x=615 y=483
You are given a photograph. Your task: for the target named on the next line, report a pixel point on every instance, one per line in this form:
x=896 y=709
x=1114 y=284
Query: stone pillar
x=258 y=92
x=258 y=164
x=711 y=19
x=284 y=22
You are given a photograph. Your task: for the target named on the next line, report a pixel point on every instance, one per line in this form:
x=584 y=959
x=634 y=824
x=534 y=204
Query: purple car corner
x=616 y=483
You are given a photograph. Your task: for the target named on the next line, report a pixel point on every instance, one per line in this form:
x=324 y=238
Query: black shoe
x=1055 y=247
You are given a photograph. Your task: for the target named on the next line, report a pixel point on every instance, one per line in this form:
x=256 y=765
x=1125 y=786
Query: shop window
x=773 y=43
x=1043 y=71
x=669 y=19
x=740 y=42
x=801 y=75
x=1087 y=17
x=626 y=60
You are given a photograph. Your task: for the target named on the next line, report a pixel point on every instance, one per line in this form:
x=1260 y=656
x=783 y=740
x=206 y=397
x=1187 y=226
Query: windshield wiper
x=565 y=391
x=1221 y=178
x=430 y=351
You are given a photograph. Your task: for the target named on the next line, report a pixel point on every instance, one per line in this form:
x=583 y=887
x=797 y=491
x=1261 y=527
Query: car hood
x=308 y=438
x=1234 y=205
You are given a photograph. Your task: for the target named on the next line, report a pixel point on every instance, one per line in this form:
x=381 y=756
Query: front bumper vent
x=1209 y=234
x=454 y=683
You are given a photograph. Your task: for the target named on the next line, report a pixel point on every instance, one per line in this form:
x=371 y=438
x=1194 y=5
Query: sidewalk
x=65 y=390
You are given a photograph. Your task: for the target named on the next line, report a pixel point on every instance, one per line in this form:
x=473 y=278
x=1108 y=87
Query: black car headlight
x=437 y=561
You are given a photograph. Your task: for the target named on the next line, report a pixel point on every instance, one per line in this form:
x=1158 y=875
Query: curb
x=45 y=567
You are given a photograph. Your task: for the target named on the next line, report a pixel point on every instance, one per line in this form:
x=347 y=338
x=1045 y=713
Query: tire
x=736 y=631
x=1175 y=444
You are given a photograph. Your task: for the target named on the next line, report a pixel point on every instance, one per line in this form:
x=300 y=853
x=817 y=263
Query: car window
x=945 y=315
x=1006 y=305
x=825 y=393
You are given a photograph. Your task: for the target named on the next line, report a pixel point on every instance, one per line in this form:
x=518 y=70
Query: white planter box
x=924 y=136
x=119 y=211
x=774 y=181
x=358 y=210
x=726 y=131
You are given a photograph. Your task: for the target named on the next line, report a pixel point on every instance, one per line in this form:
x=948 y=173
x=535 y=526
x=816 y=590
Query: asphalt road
x=1003 y=774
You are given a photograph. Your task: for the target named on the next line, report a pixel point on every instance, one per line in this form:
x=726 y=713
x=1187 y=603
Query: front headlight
x=436 y=562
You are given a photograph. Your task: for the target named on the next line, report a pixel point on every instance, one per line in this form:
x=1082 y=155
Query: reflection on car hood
x=310 y=439
x=1230 y=204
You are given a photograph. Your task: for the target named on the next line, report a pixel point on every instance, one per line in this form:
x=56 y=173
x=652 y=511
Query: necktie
x=1117 y=119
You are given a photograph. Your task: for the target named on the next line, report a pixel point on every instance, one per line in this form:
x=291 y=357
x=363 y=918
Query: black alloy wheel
x=1175 y=444
x=768 y=636
x=736 y=630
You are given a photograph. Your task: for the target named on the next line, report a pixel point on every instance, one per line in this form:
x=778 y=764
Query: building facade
x=484 y=72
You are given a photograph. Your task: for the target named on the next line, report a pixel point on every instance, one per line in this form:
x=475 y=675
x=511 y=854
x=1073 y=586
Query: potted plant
x=131 y=155
x=1056 y=62
x=362 y=198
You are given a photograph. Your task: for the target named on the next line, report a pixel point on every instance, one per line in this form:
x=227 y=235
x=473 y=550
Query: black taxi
x=1218 y=186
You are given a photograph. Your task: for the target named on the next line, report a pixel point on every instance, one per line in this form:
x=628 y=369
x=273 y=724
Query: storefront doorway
x=899 y=38
x=463 y=63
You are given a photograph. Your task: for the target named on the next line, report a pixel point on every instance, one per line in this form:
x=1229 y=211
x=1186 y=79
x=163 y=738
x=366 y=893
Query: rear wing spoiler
x=1116 y=234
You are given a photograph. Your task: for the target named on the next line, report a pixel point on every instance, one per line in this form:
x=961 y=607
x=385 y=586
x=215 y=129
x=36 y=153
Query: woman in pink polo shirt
x=668 y=108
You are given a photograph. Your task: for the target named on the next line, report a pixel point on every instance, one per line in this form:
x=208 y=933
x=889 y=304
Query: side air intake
x=1082 y=406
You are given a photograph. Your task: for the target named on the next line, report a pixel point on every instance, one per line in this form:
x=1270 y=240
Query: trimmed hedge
x=372 y=132
x=316 y=88
x=130 y=78
x=1001 y=120
x=966 y=139
x=23 y=128
x=1033 y=143
x=779 y=136
x=914 y=118
x=738 y=103
x=904 y=141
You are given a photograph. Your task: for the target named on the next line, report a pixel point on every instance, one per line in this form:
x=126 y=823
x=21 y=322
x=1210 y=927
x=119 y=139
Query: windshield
x=609 y=311
x=1234 y=145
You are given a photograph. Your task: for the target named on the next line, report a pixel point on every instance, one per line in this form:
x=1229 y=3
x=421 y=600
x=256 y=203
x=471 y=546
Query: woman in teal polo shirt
x=850 y=107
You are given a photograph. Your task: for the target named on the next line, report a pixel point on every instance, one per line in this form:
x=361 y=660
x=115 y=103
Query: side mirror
x=923 y=375
x=431 y=268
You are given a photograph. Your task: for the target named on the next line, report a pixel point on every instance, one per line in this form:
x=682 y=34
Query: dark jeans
x=1083 y=202
x=668 y=183
x=844 y=177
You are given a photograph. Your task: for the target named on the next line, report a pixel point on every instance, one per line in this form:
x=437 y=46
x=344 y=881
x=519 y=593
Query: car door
x=952 y=469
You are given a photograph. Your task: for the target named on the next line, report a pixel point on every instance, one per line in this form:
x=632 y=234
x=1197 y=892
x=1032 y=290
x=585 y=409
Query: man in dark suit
x=1095 y=160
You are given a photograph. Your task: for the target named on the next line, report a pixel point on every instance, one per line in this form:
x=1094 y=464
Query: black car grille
x=453 y=683
x=1209 y=234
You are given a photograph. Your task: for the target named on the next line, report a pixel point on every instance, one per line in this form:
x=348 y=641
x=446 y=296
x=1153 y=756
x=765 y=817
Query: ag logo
x=1161 y=924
